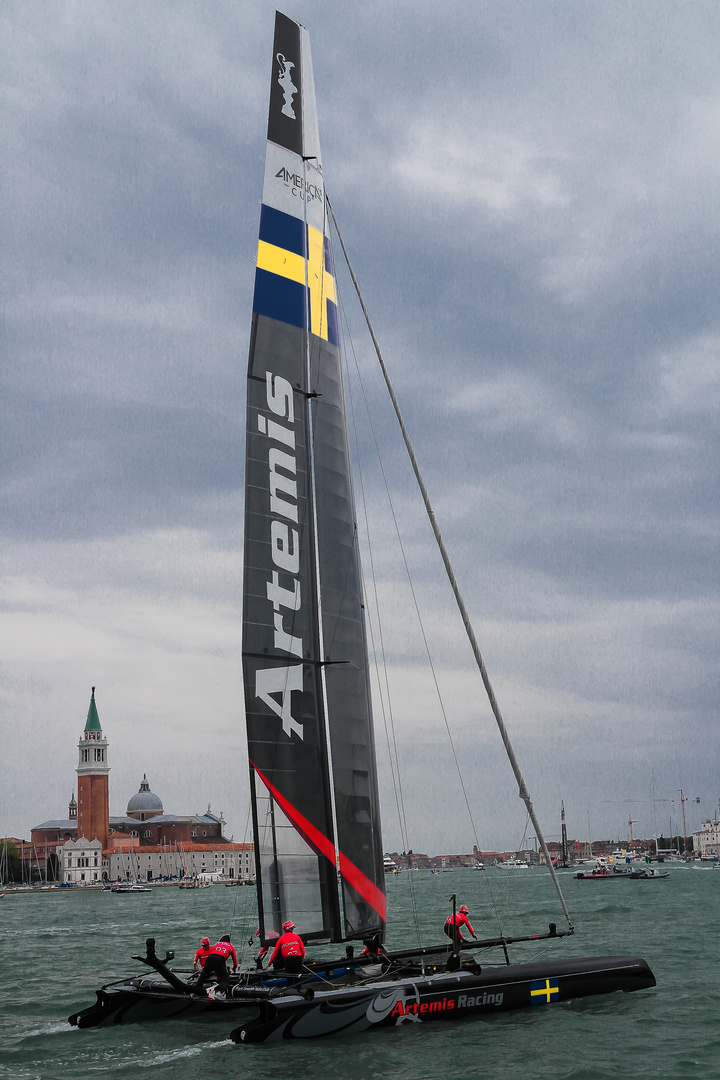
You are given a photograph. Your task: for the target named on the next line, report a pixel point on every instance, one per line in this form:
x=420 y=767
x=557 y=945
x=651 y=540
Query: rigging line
x=386 y=709
x=393 y=757
x=403 y=820
x=405 y=835
x=394 y=760
x=522 y=789
x=247 y=890
x=514 y=875
x=417 y=611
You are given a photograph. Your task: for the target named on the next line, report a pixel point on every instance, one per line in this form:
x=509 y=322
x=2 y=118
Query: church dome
x=145 y=803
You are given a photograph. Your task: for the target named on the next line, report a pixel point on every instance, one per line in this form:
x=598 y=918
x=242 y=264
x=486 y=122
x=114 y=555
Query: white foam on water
x=177 y=1055
x=51 y=1028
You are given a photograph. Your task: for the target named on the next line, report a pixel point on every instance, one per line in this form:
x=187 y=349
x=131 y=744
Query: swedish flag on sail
x=289 y=285
x=544 y=991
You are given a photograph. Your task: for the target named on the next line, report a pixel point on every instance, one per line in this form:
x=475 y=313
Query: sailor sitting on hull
x=289 y=951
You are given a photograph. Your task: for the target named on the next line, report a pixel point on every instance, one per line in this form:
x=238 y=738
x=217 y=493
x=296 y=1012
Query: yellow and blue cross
x=544 y=991
x=294 y=261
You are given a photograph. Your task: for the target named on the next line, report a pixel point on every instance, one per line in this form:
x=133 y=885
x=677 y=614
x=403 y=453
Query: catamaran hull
x=127 y=1005
x=444 y=997
x=140 y=1000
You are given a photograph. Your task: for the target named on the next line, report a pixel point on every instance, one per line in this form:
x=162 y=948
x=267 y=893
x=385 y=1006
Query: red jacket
x=460 y=920
x=201 y=955
x=225 y=949
x=288 y=945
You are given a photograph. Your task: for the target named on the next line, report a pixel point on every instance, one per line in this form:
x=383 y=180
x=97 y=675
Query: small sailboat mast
x=564 y=835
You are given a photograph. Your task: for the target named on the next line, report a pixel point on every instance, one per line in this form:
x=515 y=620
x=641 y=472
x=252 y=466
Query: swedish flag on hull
x=294 y=275
x=544 y=991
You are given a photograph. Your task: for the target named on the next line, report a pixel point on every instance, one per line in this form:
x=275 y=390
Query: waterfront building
x=707 y=841
x=89 y=846
x=81 y=862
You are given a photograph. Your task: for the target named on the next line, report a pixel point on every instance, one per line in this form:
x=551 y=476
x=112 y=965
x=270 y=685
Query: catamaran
x=313 y=777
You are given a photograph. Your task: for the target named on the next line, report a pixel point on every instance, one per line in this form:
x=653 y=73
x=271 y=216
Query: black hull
x=441 y=997
x=130 y=1005
x=138 y=1000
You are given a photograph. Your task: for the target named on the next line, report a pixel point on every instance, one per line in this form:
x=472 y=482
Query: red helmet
x=205 y=941
x=463 y=910
x=288 y=926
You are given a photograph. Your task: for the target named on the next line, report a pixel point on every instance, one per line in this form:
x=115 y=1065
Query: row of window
x=99 y=754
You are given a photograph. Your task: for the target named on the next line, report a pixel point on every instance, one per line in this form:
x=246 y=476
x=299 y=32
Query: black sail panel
x=345 y=653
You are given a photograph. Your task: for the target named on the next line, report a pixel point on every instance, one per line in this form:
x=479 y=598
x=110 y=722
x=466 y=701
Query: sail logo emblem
x=288 y=87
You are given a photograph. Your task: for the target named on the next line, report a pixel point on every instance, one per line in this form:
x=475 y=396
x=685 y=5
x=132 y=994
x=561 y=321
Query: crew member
x=225 y=949
x=202 y=954
x=215 y=964
x=460 y=918
x=289 y=951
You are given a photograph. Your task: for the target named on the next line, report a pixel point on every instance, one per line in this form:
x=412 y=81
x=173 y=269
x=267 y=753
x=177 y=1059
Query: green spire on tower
x=93 y=720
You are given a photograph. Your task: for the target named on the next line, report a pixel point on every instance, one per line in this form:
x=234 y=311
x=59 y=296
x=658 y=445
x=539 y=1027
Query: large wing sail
x=304 y=653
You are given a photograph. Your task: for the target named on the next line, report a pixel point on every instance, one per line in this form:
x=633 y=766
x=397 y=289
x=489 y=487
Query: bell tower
x=92 y=802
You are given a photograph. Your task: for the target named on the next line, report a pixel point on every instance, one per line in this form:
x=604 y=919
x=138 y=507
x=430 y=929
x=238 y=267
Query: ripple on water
x=81 y=941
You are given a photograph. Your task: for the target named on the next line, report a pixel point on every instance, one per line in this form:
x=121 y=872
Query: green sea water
x=58 y=947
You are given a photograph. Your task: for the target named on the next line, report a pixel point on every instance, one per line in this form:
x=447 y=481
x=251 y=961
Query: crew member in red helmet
x=289 y=951
x=459 y=919
x=225 y=949
x=215 y=965
x=202 y=954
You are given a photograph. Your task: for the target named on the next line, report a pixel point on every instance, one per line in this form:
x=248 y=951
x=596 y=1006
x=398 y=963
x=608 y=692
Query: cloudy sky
x=529 y=193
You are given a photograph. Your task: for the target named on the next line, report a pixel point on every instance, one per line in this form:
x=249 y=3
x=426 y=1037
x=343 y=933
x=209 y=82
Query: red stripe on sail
x=359 y=881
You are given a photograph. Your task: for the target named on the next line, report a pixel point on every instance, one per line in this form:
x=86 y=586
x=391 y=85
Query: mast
x=564 y=834
x=683 y=800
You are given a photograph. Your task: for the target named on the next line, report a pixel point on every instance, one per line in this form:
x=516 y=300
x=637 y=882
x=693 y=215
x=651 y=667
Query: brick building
x=90 y=846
